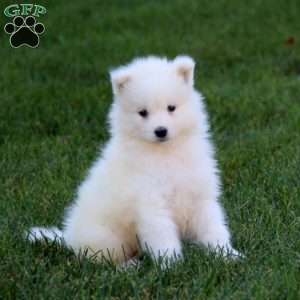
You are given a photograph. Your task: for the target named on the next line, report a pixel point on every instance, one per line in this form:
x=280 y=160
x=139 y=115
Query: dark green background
x=53 y=105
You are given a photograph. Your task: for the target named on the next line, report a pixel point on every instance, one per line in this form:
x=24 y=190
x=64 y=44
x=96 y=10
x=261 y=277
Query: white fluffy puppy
x=156 y=181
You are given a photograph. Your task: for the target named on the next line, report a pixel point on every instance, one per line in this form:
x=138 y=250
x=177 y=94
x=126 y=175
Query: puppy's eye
x=171 y=108
x=143 y=113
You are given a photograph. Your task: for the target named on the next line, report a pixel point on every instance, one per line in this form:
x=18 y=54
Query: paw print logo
x=24 y=31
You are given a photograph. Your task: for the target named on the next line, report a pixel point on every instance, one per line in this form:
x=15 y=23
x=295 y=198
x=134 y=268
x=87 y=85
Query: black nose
x=161 y=132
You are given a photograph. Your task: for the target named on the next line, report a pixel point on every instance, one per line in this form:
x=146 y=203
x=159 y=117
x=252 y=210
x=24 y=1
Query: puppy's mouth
x=162 y=140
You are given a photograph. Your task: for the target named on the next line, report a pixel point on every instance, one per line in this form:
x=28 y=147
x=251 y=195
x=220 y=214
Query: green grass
x=53 y=105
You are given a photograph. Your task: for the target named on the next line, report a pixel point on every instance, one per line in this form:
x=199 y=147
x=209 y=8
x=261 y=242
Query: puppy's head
x=154 y=99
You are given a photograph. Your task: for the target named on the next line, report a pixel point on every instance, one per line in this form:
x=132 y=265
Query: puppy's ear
x=184 y=66
x=119 y=79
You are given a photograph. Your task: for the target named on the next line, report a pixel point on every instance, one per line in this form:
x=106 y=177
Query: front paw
x=165 y=258
x=228 y=252
x=234 y=254
x=167 y=261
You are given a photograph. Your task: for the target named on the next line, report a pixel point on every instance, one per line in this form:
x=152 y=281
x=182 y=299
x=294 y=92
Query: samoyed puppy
x=156 y=181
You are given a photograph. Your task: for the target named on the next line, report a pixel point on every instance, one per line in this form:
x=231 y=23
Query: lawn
x=53 y=105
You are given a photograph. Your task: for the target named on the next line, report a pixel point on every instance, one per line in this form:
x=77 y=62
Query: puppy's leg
x=210 y=228
x=98 y=241
x=158 y=234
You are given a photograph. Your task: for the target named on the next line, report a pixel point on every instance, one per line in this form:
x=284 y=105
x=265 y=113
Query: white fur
x=142 y=191
x=51 y=233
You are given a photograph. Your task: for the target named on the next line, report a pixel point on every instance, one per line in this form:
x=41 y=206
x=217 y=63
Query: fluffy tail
x=42 y=233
